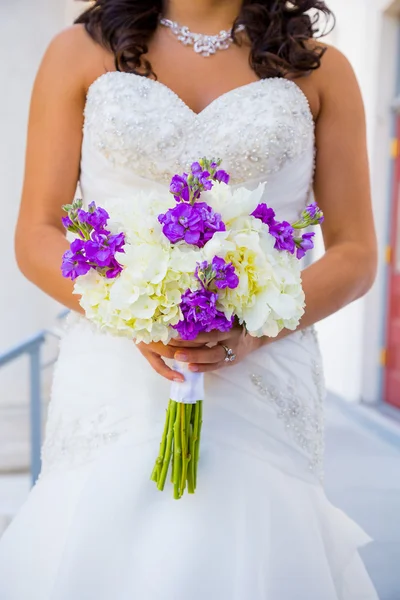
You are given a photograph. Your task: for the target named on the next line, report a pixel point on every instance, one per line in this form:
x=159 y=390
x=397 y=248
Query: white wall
x=25 y=30
x=351 y=340
x=73 y=9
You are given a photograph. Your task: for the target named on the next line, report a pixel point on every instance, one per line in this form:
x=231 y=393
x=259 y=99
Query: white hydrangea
x=143 y=301
x=270 y=296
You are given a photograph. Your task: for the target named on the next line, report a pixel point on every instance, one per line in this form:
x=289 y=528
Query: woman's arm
x=52 y=163
x=342 y=190
x=71 y=63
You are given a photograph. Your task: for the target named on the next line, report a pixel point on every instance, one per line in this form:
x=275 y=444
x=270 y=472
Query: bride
x=123 y=100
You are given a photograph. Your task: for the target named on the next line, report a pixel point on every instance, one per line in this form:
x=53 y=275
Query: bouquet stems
x=180 y=444
x=177 y=456
x=166 y=459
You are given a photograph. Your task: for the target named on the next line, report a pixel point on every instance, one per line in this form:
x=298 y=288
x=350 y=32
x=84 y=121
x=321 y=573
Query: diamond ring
x=230 y=356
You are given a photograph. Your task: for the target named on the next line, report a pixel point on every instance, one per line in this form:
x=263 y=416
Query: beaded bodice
x=138 y=132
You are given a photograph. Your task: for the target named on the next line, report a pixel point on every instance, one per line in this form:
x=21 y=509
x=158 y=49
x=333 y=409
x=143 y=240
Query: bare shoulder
x=73 y=57
x=326 y=83
x=73 y=38
x=336 y=79
x=335 y=66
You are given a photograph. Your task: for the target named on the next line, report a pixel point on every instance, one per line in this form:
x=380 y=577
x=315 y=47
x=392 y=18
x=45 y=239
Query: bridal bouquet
x=203 y=257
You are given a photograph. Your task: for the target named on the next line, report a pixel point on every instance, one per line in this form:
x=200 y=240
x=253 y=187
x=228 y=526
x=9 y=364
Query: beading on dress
x=303 y=417
x=162 y=135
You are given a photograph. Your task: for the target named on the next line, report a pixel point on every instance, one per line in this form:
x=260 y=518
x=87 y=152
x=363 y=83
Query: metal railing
x=31 y=347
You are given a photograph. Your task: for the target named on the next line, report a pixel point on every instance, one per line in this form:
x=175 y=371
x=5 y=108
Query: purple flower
x=117 y=242
x=200 y=270
x=96 y=247
x=101 y=248
x=219 y=272
x=312 y=215
x=183 y=222
x=265 y=214
x=179 y=187
x=222 y=176
x=203 y=173
x=212 y=222
x=66 y=221
x=225 y=275
x=200 y=314
x=82 y=215
x=74 y=264
x=221 y=323
x=283 y=234
x=77 y=246
x=304 y=244
x=196 y=169
x=205 y=181
x=114 y=269
x=98 y=218
x=312 y=210
x=82 y=221
x=188 y=330
x=198 y=309
x=98 y=251
x=195 y=224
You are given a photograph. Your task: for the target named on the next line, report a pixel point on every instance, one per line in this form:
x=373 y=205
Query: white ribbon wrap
x=191 y=390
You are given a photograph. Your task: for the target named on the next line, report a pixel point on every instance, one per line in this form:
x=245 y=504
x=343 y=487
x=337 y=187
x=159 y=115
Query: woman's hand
x=155 y=353
x=203 y=358
x=198 y=354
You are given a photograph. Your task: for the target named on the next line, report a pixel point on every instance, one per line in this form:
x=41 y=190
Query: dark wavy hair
x=279 y=32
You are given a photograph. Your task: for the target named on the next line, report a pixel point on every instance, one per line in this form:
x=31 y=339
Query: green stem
x=170 y=435
x=299 y=225
x=173 y=460
x=198 y=439
x=189 y=436
x=190 y=476
x=154 y=475
x=161 y=454
x=188 y=421
x=196 y=414
x=177 y=455
x=184 y=447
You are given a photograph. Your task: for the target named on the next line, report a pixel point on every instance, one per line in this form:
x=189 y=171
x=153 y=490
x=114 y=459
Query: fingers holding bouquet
x=220 y=349
x=208 y=352
x=155 y=353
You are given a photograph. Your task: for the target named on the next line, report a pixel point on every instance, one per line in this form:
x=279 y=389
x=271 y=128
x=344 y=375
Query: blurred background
x=360 y=345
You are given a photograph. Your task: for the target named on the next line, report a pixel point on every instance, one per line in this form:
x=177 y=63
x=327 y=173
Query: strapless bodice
x=138 y=133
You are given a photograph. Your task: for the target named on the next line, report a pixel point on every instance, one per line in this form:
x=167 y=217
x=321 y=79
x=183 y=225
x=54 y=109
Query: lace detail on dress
x=303 y=418
x=73 y=443
x=304 y=424
x=142 y=125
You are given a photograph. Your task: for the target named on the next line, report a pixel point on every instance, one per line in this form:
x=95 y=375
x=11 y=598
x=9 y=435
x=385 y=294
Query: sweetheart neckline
x=211 y=104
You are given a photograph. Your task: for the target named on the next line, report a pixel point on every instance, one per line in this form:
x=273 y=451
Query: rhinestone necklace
x=205 y=45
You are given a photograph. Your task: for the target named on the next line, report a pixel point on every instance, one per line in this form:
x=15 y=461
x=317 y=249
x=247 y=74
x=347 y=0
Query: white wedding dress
x=260 y=526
